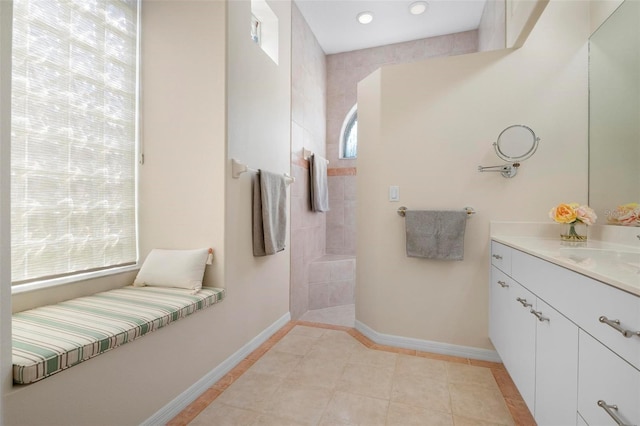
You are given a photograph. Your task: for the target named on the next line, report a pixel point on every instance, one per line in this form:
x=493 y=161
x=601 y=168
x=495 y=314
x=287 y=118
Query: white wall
x=426 y=127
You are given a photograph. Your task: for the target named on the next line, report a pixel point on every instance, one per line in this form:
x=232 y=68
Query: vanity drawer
x=501 y=257
x=604 y=376
x=583 y=300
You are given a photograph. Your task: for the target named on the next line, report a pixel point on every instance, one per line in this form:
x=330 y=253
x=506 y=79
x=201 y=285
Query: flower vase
x=574 y=232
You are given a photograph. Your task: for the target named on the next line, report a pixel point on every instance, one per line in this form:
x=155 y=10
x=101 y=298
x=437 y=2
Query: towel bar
x=402 y=211
x=237 y=168
x=306 y=154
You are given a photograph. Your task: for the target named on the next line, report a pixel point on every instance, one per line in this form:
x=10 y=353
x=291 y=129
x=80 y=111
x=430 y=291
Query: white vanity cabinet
x=572 y=359
x=556 y=368
x=513 y=331
x=605 y=378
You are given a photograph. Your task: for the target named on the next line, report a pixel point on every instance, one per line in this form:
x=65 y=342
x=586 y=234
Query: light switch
x=394 y=193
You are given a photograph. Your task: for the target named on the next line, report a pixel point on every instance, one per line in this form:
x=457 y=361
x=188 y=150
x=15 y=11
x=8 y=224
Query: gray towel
x=319 y=188
x=436 y=234
x=269 y=213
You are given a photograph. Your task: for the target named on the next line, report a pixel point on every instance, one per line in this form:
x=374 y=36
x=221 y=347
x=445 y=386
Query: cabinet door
x=556 y=368
x=520 y=337
x=604 y=376
x=498 y=302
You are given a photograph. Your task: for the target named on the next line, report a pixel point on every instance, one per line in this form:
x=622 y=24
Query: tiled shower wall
x=308 y=130
x=344 y=71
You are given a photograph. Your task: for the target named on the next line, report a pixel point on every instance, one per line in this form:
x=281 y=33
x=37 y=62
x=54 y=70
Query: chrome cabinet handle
x=616 y=325
x=611 y=411
x=538 y=315
x=503 y=284
x=496 y=256
x=524 y=302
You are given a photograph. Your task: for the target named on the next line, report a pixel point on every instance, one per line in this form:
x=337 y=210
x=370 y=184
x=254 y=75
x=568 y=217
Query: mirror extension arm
x=507 y=170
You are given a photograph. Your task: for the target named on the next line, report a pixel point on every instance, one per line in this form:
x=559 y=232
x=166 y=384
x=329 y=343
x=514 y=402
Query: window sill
x=39 y=285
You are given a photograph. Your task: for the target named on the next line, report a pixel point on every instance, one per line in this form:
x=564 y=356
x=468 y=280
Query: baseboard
x=427 y=346
x=172 y=409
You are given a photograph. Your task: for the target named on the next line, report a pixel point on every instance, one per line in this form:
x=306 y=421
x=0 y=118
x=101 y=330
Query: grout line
x=514 y=402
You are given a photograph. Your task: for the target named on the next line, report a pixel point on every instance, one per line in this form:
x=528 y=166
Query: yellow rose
x=563 y=213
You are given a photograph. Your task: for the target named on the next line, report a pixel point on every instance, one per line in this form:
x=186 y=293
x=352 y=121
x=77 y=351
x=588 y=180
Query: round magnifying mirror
x=516 y=143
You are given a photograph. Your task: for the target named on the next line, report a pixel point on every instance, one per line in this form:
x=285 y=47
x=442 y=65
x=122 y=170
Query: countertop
x=614 y=264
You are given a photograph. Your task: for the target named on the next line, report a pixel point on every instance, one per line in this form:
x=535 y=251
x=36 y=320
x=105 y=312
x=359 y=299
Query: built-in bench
x=49 y=339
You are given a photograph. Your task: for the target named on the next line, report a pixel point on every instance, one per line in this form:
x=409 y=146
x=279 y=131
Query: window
x=349 y=135
x=74 y=127
x=264 y=28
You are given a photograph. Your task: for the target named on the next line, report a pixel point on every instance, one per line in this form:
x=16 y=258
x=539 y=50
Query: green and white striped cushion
x=52 y=338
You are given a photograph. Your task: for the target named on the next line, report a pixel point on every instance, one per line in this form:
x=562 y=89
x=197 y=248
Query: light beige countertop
x=615 y=264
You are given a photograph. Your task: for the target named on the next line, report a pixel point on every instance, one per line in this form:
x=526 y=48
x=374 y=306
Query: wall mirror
x=614 y=112
x=514 y=144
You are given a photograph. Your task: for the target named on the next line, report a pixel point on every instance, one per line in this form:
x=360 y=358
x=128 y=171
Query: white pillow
x=173 y=268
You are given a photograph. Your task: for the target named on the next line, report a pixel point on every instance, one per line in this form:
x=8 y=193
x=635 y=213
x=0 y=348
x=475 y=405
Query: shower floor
x=337 y=315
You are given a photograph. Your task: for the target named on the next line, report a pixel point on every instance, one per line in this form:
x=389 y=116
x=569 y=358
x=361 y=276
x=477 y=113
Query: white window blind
x=73 y=153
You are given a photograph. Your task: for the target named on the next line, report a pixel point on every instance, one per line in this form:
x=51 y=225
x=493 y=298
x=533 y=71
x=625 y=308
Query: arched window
x=349 y=135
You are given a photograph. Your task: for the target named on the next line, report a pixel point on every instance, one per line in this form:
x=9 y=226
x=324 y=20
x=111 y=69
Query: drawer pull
x=616 y=325
x=538 y=315
x=503 y=284
x=524 y=302
x=611 y=411
x=496 y=256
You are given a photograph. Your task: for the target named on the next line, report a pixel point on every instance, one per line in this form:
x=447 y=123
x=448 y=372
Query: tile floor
x=317 y=374
x=337 y=315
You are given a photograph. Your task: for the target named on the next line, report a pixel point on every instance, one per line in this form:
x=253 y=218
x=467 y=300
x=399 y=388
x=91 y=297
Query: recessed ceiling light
x=418 y=8
x=365 y=17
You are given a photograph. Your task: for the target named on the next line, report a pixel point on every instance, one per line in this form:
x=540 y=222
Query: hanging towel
x=318 y=184
x=269 y=213
x=436 y=234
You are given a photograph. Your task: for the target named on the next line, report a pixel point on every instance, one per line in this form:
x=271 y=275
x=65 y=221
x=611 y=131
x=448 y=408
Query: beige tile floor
x=313 y=374
x=337 y=315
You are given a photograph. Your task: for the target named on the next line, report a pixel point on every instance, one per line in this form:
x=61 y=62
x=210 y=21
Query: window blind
x=74 y=126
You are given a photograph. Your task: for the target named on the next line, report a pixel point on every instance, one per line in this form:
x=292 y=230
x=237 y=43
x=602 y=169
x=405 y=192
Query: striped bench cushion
x=49 y=339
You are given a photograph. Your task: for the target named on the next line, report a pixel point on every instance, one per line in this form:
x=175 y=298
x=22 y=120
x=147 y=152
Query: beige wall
x=344 y=71
x=521 y=17
x=259 y=135
x=5 y=208
x=426 y=127
x=600 y=10
x=188 y=199
x=181 y=184
x=491 y=32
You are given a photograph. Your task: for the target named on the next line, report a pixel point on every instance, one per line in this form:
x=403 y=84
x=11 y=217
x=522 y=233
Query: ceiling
x=335 y=26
